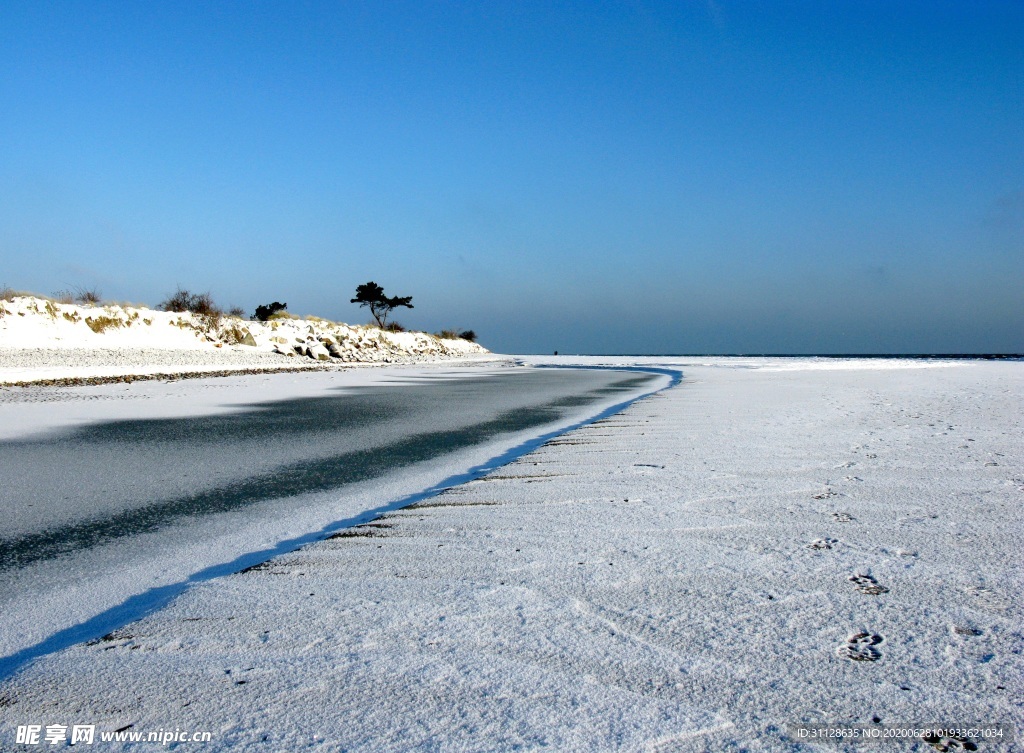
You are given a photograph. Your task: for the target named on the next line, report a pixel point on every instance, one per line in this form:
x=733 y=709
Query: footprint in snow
x=867 y=585
x=822 y=544
x=827 y=494
x=967 y=630
x=842 y=517
x=861 y=647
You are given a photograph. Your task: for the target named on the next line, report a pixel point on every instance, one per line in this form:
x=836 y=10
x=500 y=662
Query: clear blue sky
x=661 y=177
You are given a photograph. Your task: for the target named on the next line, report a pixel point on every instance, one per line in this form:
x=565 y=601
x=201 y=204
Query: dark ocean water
x=98 y=483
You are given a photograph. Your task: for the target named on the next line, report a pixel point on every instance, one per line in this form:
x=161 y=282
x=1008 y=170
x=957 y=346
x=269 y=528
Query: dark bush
x=454 y=334
x=237 y=311
x=264 y=312
x=394 y=327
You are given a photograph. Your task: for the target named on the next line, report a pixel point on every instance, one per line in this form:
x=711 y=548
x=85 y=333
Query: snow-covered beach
x=771 y=542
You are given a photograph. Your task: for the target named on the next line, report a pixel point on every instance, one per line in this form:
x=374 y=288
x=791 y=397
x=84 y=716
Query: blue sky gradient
x=638 y=177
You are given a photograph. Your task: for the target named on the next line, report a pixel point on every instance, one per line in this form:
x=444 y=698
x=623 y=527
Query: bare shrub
x=469 y=335
x=197 y=303
x=63 y=296
x=211 y=322
x=237 y=311
x=88 y=295
x=6 y=294
x=394 y=327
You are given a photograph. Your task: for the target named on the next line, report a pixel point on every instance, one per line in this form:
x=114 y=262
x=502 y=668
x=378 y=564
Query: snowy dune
x=44 y=340
x=773 y=541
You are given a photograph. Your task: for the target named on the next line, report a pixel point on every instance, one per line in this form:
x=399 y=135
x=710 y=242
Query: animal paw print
x=861 y=647
x=827 y=494
x=868 y=585
x=949 y=744
x=842 y=517
x=819 y=545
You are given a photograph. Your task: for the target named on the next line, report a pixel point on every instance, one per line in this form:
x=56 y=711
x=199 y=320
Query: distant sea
x=921 y=356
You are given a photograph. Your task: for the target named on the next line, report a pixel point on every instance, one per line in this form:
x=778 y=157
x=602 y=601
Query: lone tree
x=371 y=294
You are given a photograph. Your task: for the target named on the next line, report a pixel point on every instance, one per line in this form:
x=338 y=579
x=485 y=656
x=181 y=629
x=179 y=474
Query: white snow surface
x=772 y=541
x=42 y=340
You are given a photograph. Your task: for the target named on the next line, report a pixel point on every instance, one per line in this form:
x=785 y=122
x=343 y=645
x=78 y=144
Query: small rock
x=318 y=352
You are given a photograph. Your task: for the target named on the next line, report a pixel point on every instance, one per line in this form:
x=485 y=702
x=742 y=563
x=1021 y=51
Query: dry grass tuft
x=102 y=323
x=281 y=315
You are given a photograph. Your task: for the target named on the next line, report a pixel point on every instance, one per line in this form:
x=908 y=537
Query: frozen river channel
x=116 y=497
